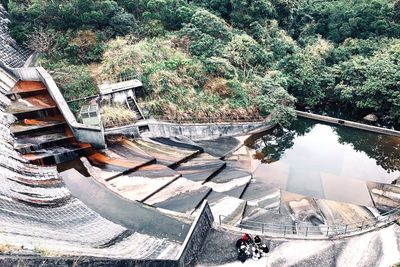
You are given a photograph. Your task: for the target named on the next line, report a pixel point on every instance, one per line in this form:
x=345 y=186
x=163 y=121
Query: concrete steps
x=30 y=126
x=26 y=89
x=132 y=104
x=231 y=180
x=112 y=164
x=57 y=154
x=220 y=147
x=30 y=142
x=262 y=196
x=182 y=195
x=226 y=209
x=201 y=168
x=164 y=154
x=144 y=182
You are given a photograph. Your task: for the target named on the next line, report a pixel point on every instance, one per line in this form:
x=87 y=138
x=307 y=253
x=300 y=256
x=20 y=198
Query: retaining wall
x=196 y=236
x=348 y=123
x=83 y=133
x=195 y=131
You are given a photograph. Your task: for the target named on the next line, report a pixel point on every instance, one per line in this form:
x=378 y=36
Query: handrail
x=210 y=119
x=326 y=231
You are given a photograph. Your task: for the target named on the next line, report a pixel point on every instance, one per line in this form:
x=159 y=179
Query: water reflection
x=317 y=159
x=271 y=146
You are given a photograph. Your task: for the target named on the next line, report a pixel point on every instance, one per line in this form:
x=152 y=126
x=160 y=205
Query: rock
x=371 y=117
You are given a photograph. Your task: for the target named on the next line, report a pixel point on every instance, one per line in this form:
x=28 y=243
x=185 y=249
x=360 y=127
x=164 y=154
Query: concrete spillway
x=11 y=53
x=37 y=210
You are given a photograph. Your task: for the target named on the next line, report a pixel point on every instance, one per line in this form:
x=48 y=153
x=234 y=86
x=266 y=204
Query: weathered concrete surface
x=221 y=146
x=131 y=214
x=198 y=130
x=10 y=52
x=182 y=195
x=378 y=248
x=200 y=168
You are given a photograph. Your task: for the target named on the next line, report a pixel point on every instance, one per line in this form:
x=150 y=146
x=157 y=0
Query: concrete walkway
x=378 y=248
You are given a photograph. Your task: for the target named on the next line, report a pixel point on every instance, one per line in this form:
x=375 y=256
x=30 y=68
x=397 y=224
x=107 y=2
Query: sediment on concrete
x=348 y=123
x=33 y=261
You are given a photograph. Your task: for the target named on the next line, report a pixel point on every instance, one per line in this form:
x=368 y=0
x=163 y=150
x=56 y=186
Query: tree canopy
x=220 y=57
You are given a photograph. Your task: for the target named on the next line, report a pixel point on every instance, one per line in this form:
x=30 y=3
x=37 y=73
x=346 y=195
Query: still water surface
x=326 y=161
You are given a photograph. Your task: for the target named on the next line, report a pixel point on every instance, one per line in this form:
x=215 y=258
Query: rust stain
x=104 y=159
x=43 y=101
x=28 y=86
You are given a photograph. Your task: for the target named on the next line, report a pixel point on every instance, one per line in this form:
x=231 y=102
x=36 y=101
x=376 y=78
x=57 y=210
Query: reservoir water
x=326 y=161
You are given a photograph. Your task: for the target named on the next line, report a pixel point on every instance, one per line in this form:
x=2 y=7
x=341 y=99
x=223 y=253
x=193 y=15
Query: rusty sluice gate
x=44 y=138
x=42 y=135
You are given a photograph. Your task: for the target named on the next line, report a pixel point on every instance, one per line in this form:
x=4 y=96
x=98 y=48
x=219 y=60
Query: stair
x=182 y=195
x=145 y=182
x=27 y=88
x=226 y=209
x=200 y=168
x=167 y=155
x=30 y=142
x=30 y=126
x=41 y=133
x=231 y=180
x=132 y=104
x=112 y=165
x=57 y=154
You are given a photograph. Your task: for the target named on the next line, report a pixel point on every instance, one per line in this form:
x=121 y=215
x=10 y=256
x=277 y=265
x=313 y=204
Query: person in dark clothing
x=242 y=256
x=247 y=238
x=239 y=243
x=257 y=241
x=264 y=249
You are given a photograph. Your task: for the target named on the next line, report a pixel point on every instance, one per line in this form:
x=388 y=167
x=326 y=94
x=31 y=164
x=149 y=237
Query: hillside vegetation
x=224 y=58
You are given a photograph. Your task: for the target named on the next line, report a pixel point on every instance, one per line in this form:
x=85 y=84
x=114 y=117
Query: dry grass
x=118 y=115
x=217 y=86
x=6 y=248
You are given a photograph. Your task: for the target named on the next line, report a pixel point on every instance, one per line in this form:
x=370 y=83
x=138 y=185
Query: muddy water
x=325 y=161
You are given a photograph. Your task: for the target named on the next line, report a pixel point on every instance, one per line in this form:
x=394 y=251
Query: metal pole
x=220 y=219
x=345 y=229
x=284 y=233
x=262 y=228
x=307 y=231
x=327 y=231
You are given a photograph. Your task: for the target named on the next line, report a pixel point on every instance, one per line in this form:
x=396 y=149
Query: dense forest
x=224 y=58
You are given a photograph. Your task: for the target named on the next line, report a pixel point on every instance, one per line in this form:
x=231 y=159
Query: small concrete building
x=90 y=115
x=123 y=93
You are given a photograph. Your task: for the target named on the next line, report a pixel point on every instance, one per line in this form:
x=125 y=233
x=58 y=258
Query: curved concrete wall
x=10 y=52
x=195 y=131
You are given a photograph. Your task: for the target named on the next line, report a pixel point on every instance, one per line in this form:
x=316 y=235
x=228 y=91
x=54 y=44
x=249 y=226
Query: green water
x=326 y=161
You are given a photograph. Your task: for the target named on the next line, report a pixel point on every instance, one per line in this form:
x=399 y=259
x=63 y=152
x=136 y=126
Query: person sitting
x=256 y=253
x=247 y=238
x=257 y=241
x=264 y=249
x=242 y=256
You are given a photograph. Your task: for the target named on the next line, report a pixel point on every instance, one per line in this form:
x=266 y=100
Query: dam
x=154 y=200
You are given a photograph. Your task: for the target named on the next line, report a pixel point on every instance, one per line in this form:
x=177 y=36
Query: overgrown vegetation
x=224 y=58
x=114 y=116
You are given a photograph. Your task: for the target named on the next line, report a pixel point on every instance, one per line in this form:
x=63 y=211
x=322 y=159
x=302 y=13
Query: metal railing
x=226 y=119
x=304 y=230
